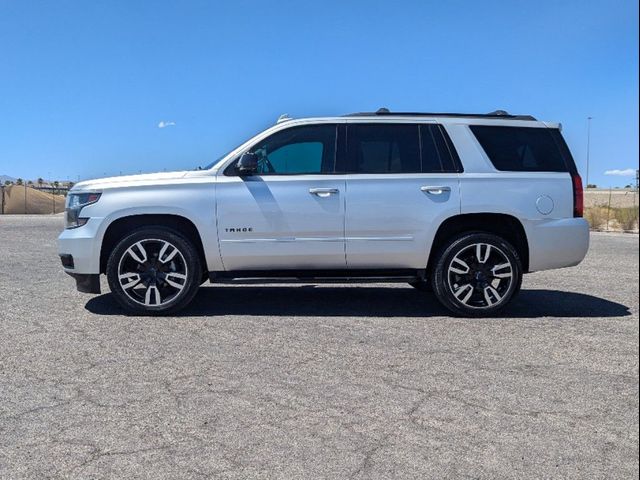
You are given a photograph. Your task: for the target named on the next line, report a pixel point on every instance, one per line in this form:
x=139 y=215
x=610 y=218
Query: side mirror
x=248 y=163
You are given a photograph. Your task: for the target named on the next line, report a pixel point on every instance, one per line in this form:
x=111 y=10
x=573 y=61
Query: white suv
x=459 y=204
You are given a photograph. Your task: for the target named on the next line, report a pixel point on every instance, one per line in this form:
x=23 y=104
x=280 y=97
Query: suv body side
x=354 y=221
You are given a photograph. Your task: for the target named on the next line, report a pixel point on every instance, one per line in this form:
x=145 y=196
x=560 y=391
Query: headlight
x=75 y=203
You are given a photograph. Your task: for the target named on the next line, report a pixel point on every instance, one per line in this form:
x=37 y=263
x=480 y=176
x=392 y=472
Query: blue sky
x=84 y=85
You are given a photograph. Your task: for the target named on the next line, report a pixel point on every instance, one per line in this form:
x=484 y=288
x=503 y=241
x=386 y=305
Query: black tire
x=422 y=285
x=485 y=289
x=161 y=287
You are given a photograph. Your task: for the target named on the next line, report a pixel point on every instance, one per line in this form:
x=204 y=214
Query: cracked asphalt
x=285 y=382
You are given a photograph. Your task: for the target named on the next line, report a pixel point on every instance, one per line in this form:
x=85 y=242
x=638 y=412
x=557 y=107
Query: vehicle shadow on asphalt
x=363 y=301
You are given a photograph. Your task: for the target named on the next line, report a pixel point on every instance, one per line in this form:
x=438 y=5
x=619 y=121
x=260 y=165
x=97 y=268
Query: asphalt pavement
x=365 y=381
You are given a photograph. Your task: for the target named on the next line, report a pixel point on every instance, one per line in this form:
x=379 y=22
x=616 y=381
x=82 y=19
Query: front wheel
x=477 y=274
x=154 y=271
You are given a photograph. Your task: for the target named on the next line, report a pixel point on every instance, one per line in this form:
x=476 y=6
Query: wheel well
x=125 y=225
x=506 y=226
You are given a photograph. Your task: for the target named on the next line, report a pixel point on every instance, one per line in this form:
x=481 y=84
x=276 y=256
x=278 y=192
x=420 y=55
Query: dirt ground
x=619 y=198
x=18 y=199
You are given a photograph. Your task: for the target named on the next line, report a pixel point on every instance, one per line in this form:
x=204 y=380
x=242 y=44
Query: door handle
x=323 y=192
x=435 y=190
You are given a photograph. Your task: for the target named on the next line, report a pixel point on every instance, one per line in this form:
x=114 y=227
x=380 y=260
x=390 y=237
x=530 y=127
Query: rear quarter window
x=399 y=148
x=521 y=149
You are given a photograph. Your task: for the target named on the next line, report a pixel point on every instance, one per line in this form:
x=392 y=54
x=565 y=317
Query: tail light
x=578 y=196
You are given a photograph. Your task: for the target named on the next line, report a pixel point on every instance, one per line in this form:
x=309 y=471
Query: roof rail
x=495 y=114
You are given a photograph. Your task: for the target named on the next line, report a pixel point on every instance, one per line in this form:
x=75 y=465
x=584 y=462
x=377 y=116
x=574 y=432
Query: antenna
x=283 y=118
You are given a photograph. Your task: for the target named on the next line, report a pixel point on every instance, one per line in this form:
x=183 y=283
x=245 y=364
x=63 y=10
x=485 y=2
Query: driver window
x=297 y=150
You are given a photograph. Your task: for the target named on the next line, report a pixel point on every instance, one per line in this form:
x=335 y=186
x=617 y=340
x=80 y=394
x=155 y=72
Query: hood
x=129 y=180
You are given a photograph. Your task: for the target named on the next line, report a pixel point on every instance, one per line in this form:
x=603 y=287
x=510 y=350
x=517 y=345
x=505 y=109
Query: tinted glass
x=383 y=149
x=445 y=149
x=297 y=150
x=431 y=158
x=436 y=155
x=520 y=149
x=564 y=149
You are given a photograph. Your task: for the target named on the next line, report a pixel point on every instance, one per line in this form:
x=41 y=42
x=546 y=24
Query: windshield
x=217 y=160
x=210 y=165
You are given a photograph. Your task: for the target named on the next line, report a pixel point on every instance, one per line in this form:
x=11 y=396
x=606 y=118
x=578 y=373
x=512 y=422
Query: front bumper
x=79 y=250
x=86 y=283
x=83 y=245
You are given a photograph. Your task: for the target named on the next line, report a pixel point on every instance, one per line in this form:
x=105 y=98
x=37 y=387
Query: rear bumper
x=557 y=243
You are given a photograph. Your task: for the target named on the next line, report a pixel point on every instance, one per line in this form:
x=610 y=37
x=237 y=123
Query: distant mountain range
x=4 y=178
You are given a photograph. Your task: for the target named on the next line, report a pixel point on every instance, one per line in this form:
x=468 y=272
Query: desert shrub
x=626 y=217
x=596 y=216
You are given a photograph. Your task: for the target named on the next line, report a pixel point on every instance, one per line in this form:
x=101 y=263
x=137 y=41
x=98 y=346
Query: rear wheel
x=477 y=274
x=154 y=271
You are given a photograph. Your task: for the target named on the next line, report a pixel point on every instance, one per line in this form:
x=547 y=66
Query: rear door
x=402 y=182
x=290 y=214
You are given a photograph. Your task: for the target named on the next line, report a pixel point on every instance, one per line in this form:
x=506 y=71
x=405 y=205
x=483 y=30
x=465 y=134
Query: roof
x=498 y=114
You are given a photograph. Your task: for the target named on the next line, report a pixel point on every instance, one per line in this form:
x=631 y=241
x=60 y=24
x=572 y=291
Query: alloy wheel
x=480 y=275
x=152 y=272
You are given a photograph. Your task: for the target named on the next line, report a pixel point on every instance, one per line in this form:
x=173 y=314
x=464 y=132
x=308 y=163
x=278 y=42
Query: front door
x=289 y=215
x=403 y=183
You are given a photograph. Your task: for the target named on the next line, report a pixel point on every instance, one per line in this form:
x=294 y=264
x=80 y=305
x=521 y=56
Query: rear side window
x=521 y=149
x=436 y=154
x=381 y=148
x=398 y=148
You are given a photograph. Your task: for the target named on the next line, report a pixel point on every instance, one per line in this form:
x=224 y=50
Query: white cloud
x=627 y=172
x=164 y=124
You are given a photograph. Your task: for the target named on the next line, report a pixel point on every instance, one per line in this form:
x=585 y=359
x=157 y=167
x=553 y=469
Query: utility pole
x=635 y=204
x=588 y=146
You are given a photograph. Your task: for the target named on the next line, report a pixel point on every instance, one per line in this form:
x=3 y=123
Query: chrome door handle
x=323 y=192
x=435 y=190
